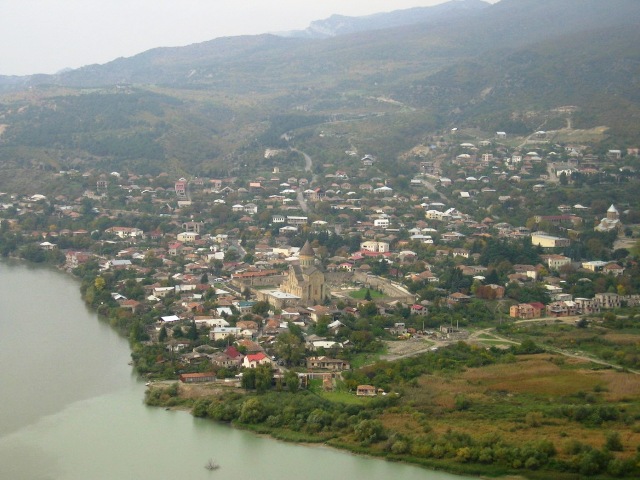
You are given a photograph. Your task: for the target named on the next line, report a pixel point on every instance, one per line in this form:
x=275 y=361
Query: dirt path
x=418 y=345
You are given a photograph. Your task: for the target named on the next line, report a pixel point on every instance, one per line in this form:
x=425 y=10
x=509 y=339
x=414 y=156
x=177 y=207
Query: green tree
x=289 y=348
x=292 y=381
x=369 y=431
x=162 y=336
x=264 y=376
x=249 y=379
x=192 y=333
x=261 y=308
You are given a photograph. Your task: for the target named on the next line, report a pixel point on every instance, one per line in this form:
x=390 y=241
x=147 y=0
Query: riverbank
x=460 y=409
x=84 y=393
x=390 y=429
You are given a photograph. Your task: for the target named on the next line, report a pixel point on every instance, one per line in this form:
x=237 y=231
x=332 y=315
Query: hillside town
x=308 y=268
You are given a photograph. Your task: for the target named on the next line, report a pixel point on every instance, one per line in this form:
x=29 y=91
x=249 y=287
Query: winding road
x=308 y=164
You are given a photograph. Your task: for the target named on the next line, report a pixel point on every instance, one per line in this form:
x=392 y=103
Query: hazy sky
x=45 y=36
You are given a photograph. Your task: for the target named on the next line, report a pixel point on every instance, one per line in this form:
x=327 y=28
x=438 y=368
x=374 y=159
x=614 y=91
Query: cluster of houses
x=302 y=283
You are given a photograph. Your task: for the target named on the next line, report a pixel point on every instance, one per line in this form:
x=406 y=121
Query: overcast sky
x=45 y=36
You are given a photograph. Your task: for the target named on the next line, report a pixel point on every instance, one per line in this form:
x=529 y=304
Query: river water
x=71 y=407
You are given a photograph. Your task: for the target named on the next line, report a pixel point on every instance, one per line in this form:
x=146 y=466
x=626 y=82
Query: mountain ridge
x=206 y=104
x=337 y=25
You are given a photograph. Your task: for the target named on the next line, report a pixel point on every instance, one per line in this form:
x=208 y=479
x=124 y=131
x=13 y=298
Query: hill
x=206 y=107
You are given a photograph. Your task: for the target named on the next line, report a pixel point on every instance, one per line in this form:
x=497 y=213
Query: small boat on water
x=211 y=465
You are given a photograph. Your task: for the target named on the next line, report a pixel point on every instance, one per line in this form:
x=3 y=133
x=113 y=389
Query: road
x=475 y=337
x=308 y=165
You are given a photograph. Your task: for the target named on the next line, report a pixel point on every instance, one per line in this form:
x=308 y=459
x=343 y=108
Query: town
x=355 y=283
x=216 y=270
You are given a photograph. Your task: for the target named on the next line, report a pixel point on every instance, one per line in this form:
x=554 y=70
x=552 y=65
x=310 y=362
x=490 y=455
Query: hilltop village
x=216 y=270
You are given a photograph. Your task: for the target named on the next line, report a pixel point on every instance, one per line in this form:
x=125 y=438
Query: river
x=72 y=408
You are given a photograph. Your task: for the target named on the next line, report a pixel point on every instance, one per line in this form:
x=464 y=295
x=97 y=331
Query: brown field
x=502 y=395
x=623 y=338
x=201 y=390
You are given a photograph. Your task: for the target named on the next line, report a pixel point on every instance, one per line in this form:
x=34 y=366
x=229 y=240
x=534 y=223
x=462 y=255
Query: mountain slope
x=204 y=106
x=337 y=25
x=266 y=62
x=597 y=71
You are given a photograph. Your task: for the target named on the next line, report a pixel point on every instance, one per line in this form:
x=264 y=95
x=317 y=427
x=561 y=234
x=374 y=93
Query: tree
x=292 y=381
x=367 y=296
x=369 y=431
x=563 y=178
x=263 y=378
x=261 y=308
x=289 y=348
x=177 y=332
x=192 y=333
x=162 y=336
x=99 y=283
x=204 y=279
x=248 y=379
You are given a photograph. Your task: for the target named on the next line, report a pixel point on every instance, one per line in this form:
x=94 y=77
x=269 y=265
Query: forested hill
x=199 y=108
x=598 y=70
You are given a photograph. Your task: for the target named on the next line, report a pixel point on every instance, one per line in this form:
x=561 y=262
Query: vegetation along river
x=73 y=409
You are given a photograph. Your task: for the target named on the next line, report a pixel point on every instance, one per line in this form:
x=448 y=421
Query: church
x=610 y=222
x=305 y=280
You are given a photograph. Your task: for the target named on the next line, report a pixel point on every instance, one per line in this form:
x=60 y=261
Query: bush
x=613 y=442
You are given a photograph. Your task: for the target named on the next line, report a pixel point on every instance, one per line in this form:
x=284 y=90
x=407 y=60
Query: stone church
x=305 y=280
x=610 y=222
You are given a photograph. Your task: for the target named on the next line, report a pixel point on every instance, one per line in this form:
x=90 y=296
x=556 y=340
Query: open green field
x=615 y=342
x=360 y=294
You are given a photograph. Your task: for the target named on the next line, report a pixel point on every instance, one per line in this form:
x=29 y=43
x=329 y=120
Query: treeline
x=370 y=426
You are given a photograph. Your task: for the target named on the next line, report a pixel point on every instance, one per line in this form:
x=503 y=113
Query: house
x=586 y=306
x=125 y=232
x=326 y=363
x=594 y=265
x=562 y=309
x=420 y=310
x=181 y=188
x=223 y=359
x=220 y=333
x=188 y=237
x=608 y=300
x=366 y=391
x=613 y=269
x=528 y=270
x=210 y=322
x=255 y=360
x=556 y=261
x=458 y=297
x=48 y=246
x=527 y=310
x=194 y=227
x=548 y=241
x=375 y=247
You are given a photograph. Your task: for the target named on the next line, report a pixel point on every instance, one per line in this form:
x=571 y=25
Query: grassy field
x=617 y=346
x=360 y=294
x=344 y=397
